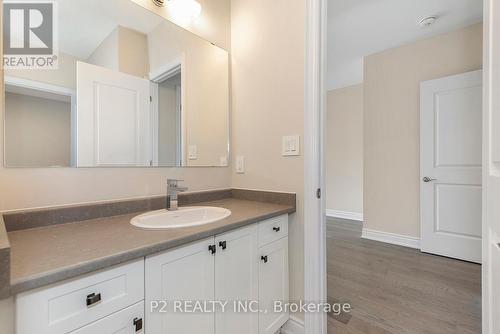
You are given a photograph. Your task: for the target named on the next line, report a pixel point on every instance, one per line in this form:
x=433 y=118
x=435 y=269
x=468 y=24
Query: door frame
x=491 y=20
x=165 y=72
x=314 y=206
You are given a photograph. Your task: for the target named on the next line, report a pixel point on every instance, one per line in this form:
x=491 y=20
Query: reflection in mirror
x=131 y=89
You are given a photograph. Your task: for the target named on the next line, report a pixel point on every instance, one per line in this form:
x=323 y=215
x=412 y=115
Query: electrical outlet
x=240 y=164
x=192 y=152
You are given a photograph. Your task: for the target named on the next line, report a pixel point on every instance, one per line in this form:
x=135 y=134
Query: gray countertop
x=45 y=255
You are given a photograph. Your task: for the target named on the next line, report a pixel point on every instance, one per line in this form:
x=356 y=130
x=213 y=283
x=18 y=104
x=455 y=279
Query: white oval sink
x=183 y=217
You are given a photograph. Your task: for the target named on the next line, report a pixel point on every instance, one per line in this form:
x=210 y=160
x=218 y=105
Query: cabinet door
x=127 y=321
x=273 y=285
x=236 y=281
x=183 y=274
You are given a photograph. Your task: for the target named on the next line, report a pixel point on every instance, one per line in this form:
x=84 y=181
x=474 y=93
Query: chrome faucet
x=173 y=190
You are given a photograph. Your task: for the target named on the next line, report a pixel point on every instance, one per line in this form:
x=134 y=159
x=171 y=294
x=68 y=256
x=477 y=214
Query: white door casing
x=113 y=118
x=491 y=170
x=451 y=166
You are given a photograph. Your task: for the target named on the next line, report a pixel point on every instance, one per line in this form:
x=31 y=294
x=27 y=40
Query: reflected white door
x=113 y=118
x=451 y=166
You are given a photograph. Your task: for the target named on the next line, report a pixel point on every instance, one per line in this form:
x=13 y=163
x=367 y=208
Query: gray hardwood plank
x=398 y=290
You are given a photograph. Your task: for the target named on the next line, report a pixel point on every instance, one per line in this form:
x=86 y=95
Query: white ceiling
x=83 y=24
x=357 y=28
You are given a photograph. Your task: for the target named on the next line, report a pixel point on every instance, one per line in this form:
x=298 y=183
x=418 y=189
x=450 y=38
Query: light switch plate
x=192 y=152
x=291 y=146
x=240 y=164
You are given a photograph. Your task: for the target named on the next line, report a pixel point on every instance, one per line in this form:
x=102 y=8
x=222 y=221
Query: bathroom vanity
x=105 y=275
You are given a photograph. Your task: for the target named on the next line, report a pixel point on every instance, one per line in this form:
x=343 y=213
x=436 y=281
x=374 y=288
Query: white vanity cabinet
x=240 y=267
x=246 y=268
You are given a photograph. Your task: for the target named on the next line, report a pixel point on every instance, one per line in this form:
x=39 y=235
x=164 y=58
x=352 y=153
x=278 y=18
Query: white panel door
x=113 y=118
x=236 y=279
x=183 y=274
x=451 y=166
x=273 y=285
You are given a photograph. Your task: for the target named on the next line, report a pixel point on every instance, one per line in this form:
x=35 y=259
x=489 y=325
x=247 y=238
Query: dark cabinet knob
x=223 y=244
x=93 y=299
x=212 y=249
x=264 y=258
x=276 y=229
x=138 y=324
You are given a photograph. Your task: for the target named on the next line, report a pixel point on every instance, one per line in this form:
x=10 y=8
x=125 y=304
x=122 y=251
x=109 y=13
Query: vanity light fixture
x=185 y=8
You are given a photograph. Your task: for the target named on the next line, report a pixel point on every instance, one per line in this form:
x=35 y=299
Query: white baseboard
x=391 y=238
x=344 y=215
x=293 y=326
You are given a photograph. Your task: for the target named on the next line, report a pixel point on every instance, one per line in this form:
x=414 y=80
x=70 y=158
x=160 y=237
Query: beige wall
x=107 y=54
x=391 y=122
x=268 y=103
x=344 y=149
x=213 y=24
x=133 y=52
x=168 y=136
x=123 y=50
x=34 y=124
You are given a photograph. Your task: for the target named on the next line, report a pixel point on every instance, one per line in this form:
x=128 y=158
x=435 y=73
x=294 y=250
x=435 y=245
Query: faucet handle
x=173 y=182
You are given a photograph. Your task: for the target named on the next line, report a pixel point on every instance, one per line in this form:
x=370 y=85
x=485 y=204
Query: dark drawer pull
x=212 y=249
x=264 y=258
x=138 y=324
x=93 y=299
x=223 y=244
x=276 y=229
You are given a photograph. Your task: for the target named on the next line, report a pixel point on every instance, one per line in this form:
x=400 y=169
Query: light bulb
x=184 y=10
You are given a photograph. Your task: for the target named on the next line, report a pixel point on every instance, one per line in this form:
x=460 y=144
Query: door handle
x=137 y=324
x=264 y=258
x=428 y=179
x=223 y=244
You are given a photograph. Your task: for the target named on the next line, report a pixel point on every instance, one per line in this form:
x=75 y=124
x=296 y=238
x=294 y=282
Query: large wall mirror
x=131 y=89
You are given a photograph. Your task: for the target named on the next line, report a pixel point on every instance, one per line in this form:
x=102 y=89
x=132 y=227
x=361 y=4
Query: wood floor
x=398 y=290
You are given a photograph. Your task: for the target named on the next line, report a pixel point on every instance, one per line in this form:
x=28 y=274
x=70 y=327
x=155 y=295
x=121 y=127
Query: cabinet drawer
x=273 y=229
x=63 y=307
x=127 y=321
